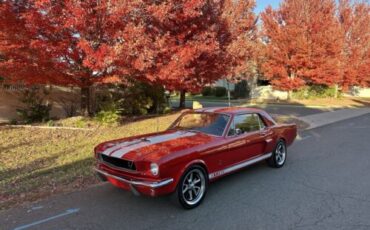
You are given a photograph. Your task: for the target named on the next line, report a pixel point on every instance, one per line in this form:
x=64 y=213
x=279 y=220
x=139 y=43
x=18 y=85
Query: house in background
x=358 y=92
x=262 y=90
x=259 y=89
x=61 y=98
x=225 y=83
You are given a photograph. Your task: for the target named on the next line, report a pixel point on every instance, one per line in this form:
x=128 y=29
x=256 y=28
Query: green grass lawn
x=36 y=163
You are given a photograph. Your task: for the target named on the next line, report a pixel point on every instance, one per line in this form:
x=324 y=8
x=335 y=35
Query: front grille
x=117 y=162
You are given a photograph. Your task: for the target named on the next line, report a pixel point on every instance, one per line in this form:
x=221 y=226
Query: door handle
x=268 y=140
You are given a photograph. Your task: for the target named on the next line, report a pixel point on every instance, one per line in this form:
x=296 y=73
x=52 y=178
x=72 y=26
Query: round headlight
x=154 y=169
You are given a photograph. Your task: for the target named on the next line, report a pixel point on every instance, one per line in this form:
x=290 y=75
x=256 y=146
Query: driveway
x=324 y=185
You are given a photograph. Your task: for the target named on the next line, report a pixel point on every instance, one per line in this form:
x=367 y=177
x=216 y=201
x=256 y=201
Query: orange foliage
x=179 y=44
x=355 y=28
x=303 y=44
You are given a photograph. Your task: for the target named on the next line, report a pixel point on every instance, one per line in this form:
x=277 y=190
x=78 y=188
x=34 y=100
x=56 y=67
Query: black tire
x=279 y=155
x=189 y=199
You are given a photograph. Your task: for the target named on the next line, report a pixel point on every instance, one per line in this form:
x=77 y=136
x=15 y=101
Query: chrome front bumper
x=139 y=183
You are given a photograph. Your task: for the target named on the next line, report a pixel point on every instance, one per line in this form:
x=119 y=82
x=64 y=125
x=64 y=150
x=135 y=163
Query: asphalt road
x=277 y=109
x=324 y=185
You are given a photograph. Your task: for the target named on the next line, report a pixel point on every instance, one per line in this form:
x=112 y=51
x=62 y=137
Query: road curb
x=326 y=118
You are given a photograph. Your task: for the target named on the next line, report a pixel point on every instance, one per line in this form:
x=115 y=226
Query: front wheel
x=278 y=157
x=192 y=187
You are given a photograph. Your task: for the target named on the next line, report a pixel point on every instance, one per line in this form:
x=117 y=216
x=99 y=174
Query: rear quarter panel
x=288 y=132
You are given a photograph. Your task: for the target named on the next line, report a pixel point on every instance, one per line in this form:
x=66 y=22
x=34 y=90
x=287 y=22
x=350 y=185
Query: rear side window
x=246 y=123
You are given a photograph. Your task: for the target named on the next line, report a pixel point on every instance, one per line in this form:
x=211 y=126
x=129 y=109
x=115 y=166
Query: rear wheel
x=192 y=187
x=278 y=157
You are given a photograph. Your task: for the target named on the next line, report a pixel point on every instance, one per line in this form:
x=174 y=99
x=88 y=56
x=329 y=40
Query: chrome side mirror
x=238 y=131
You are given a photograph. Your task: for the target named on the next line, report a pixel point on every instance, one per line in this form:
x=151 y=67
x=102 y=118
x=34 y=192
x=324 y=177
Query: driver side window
x=245 y=123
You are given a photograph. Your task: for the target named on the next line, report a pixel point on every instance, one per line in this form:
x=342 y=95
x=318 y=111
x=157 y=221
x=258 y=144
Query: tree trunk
x=87 y=101
x=290 y=95
x=336 y=91
x=290 y=92
x=252 y=84
x=182 y=99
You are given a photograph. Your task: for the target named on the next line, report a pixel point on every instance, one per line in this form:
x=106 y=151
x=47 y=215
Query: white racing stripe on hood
x=121 y=149
x=112 y=147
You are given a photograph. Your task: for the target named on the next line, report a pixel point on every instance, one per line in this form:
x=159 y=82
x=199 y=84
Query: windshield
x=210 y=123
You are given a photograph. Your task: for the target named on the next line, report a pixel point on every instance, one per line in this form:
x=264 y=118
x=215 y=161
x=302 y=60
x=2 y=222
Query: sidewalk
x=321 y=119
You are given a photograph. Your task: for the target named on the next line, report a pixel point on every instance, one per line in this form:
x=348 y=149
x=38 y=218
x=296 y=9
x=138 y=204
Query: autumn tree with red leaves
x=19 y=59
x=355 y=31
x=243 y=47
x=201 y=41
x=77 y=43
x=182 y=45
x=303 y=44
x=192 y=44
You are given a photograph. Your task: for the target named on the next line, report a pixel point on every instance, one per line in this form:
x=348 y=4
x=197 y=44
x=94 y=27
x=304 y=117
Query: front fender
x=179 y=169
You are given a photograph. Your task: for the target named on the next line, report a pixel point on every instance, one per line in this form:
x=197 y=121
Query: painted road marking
x=35 y=208
x=67 y=212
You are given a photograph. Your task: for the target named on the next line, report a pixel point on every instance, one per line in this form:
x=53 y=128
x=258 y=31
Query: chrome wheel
x=193 y=187
x=280 y=153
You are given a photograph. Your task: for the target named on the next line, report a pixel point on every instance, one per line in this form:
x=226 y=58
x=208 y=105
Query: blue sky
x=262 y=4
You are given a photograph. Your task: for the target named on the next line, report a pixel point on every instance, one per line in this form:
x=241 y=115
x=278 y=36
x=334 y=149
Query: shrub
x=167 y=109
x=220 y=91
x=158 y=96
x=136 y=99
x=207 y=91
x=35 y=110
x=314 y=91
x=241 y=90
x=321 y=91
x=50 y=123
x=301 y=93
x=110 y=117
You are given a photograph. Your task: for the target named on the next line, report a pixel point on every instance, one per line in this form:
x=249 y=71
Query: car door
x=246 y=138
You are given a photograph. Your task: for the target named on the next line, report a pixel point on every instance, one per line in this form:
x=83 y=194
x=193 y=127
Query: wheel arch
x=281 y=138
x=198 y=162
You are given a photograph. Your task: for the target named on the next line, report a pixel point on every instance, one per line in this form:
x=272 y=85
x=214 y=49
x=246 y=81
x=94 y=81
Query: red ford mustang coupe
x=199 y=147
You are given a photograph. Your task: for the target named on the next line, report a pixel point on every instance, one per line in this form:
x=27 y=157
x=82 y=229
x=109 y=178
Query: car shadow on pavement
x=168 y=203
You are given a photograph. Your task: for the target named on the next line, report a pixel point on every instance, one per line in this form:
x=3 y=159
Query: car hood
x=154 y=146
